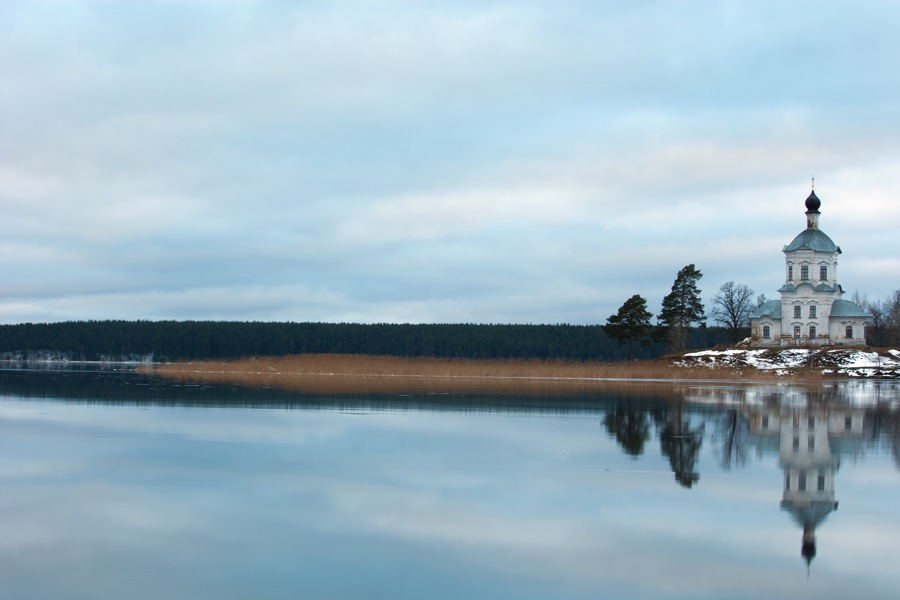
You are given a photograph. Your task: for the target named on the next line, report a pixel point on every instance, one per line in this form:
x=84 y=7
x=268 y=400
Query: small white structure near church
x=811 y=311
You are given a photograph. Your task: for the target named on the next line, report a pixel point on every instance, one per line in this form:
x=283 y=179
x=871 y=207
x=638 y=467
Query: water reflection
x=630 y=427
x=733 y=432
x=809 y=427
x=668 y=490
x=810 y=443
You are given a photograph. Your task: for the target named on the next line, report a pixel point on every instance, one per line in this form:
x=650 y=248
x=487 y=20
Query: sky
x=482 y=162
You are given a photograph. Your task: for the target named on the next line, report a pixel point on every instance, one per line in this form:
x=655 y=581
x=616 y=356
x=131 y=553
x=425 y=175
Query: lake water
x=115 y=485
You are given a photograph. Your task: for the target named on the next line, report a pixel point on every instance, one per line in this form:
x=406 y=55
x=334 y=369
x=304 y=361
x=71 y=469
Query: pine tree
x=630 y=323
x=682 y=307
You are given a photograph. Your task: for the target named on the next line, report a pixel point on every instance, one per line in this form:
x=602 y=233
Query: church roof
x=845 y=308
x=846 y=445
x=813 y=239
x=771 y=309
x=809 y=514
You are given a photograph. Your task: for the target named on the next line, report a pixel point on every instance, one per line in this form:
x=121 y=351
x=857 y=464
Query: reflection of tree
x=734 y=431
x=631 y=429
x=896 y=450
x=892 y=436
x=681 y=444
x=882 y=428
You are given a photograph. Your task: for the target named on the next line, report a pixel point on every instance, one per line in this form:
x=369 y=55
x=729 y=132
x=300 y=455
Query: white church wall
x=838 y=332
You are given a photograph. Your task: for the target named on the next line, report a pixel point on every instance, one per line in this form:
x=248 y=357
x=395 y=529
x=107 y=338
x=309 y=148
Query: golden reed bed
x=361 y=374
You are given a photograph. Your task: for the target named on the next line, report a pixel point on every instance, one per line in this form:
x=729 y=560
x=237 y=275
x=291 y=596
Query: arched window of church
x=797 y=314
x=823 y=273
x=766 y=332
x=797 y=332
x=790 y=273
x=804 y=272
x=849 y=332
x=812 y=312
x=812 y=331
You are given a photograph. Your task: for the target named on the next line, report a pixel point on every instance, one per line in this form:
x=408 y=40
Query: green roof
x=771 y=309
x=845 y=308
x=813 y=239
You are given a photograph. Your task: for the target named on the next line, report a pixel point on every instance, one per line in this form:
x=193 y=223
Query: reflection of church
x=809 y=442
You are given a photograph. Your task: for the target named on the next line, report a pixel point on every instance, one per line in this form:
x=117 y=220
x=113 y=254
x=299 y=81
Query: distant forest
x=197 y=340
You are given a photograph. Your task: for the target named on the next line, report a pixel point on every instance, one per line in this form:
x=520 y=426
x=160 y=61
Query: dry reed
x=362 y=374
x=366 y=365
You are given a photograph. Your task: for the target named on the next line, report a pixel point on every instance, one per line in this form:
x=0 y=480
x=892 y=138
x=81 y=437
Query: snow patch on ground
x=855 y=363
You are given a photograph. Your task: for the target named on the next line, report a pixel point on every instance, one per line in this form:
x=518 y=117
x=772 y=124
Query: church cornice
x=822 y=287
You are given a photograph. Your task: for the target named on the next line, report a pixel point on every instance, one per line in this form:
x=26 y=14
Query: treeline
x=198 y=340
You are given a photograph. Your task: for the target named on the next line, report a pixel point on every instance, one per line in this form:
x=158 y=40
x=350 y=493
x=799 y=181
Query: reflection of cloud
x=408 y=513
x=509 y=504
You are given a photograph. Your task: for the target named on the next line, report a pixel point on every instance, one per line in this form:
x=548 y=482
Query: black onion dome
x=808 y=551
x=813 y=203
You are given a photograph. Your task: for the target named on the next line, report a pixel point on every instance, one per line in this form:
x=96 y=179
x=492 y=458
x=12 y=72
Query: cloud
x=432 y=163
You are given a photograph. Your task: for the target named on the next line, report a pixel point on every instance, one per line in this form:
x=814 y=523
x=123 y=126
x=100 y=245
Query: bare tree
x=760 y=300
x=732 y=308
x=876 y=329
x=883 y=327
x=891 y=308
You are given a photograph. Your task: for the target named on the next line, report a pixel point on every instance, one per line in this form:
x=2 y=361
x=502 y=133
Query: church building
x=810 y=311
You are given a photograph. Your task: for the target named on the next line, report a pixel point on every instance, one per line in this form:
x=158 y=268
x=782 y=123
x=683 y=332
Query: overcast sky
x=435 y=162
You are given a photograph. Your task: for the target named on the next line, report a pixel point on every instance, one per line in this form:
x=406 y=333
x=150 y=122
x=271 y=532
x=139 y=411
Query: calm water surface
x=119 y=486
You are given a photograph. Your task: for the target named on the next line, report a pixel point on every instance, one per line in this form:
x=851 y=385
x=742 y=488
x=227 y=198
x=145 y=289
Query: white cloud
x=360 y=150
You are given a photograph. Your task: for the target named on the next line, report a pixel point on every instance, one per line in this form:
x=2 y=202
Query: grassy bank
x=342 y=373
x=364 y=365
